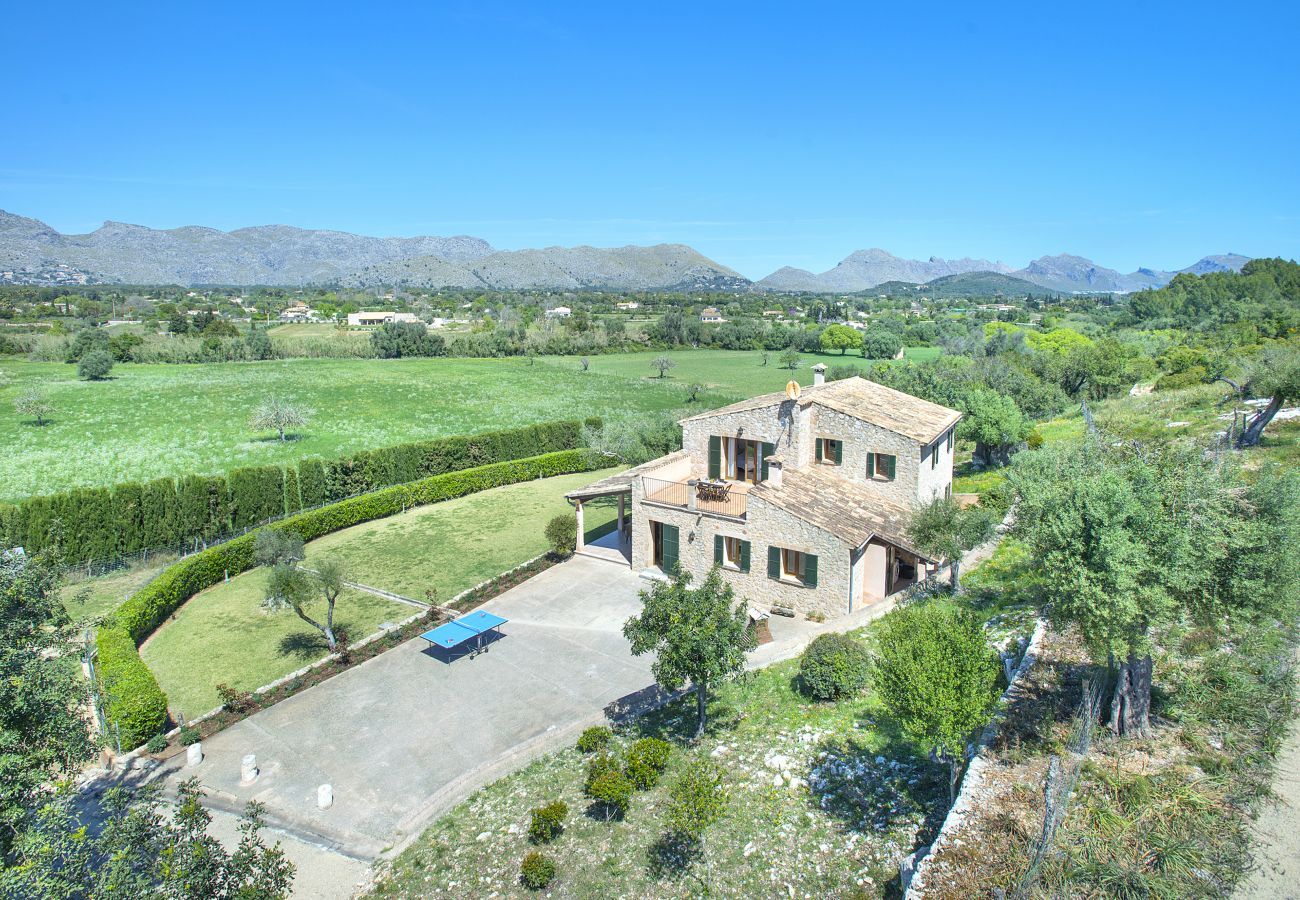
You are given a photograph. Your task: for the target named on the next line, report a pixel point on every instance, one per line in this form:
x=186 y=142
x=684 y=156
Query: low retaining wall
x=973 y=782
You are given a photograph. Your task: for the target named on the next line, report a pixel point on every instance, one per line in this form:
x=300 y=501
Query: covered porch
x=603 y=542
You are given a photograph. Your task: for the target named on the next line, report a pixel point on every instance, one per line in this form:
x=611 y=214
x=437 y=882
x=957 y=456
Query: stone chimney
x=819 y=374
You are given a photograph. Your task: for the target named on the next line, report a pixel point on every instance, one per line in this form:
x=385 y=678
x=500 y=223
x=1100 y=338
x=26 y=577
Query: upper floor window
x=737 y=459
x=830 y=451
x=949 y=440
x=934 y=456
x=882 y=466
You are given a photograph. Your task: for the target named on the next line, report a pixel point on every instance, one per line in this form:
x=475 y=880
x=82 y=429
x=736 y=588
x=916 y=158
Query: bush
x=599 y=766
x=1186 y=378
x=696 y=800
x=235 y=700
x=646 y=761
x=189 y=735
x=548 y=822
x=95 y=365
x=1035 y=440
x=562 y=534
x=133 y=701
x=156 y=744
x=536 y=871
x=833 y=666
x=595 y=738
x=613 y=791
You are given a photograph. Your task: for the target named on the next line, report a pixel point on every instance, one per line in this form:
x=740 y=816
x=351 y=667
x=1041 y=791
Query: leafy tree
x=1276 y=375
x=562 y=534
x=34 y=403
x=95 y=365
x=841 y=338
x=789 y=360
x=85 y=341
x=43 y=733
x=700 y=635
x=943 y=530
x=277 y=415
x=936 y=675
x=123 y=346
x=143 y=852
x=394 y=340
x=996 y=425
x=663 y=364
x=292 y=587
x=881 y=344
x=273 y=547
x=693 y=391
x=259 y=344
x=178 y=323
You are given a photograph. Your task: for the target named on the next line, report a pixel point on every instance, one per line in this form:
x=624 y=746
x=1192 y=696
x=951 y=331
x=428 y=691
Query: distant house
x=375 y=318
x=773 y=312
x=559 y=312
x=711 y=314
x=299 y=312
x=629 y=305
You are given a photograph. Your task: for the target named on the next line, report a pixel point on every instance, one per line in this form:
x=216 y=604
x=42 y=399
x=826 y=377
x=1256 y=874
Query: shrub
x=613 y=791
x=156 y=744
x=600 y=766
x=696 y=800
x=1035 y=440
x=133 y=701
x=95 y=365
x=1186 y=378
x=833 y=666
x=236 y=700
x=189 y=735
x=562 y=534
x=646 y=761
x=548 y=822
x=595 y=738
x=536 y=871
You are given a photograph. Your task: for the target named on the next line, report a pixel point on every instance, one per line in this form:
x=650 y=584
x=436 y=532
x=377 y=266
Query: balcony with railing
x=718 y=498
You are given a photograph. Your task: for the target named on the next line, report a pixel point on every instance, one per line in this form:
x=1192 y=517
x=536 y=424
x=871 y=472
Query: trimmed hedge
x=101 y=523
x=132 y=698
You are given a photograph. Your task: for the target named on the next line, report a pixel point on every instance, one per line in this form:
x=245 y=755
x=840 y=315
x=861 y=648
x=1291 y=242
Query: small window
x=792 y=565
x=934 y=456
x=949 y=442
x=731 y=551
x=882 y=466
x=830 y=451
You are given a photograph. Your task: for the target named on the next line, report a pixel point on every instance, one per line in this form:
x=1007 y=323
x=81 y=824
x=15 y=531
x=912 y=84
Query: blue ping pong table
x=452 y=634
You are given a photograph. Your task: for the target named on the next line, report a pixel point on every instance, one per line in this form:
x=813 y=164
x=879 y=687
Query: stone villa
x=801 y=497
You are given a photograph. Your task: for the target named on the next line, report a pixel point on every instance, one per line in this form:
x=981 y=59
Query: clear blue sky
x=764 y=135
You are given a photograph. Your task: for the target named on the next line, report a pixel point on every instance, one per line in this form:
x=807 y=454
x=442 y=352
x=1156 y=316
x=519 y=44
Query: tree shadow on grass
x=672 y=855
x=675 y=721
x=308 y=646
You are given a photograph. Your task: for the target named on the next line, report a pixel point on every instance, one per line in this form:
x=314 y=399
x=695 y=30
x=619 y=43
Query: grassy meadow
x=150 y=421
x=222 y=635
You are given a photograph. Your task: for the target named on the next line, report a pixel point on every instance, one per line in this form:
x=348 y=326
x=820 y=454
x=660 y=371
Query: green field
x=150 y=421
x=447 y=547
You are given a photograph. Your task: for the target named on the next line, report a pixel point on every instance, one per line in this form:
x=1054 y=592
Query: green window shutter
x=819 y=449
x=717 y=549
x=871 y=465
x=891 y=464
x=670 y=536
x=768 y=450
x=744 y=556
x=839 y=452
x=810 y=570
x=715 y=456
x=773 y=562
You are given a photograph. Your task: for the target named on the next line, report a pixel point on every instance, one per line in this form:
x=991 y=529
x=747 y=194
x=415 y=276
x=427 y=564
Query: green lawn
x=737 y=372
x=222 y=635
x=150 y=421
x=95 y=597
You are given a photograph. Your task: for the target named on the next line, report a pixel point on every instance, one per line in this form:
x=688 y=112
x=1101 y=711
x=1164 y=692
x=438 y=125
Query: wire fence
x=1059 y=784
x=109 y=730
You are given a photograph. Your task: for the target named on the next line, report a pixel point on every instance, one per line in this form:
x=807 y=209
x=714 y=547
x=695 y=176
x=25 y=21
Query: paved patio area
x=405 y=736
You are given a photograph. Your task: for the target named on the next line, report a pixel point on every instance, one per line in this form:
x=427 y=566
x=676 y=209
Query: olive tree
x=1276 y=375
x=936 y=675
x=274 y=414
x=34 y=403
x=95 y=365
x=700 y=635
x=943 y=530
x=996 y=425
x=663 y=364
x=291 y=586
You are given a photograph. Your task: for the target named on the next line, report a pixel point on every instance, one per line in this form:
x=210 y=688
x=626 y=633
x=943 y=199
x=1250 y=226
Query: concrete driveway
x=405 y=736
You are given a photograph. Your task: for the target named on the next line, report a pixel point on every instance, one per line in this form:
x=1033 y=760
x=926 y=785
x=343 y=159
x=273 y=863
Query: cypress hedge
x=140 y=703
x=100 y=523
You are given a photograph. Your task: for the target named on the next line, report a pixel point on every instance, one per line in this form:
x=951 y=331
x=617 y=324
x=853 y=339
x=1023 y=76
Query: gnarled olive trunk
x=1254 y=429
x=1130 y=699
x=701 y=707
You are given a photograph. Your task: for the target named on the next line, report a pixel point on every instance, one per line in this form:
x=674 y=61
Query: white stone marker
x=248 y=769
x=325 y=796
x=193 y=754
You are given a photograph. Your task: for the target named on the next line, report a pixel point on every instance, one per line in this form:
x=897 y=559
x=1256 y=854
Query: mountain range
x=283 y=255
